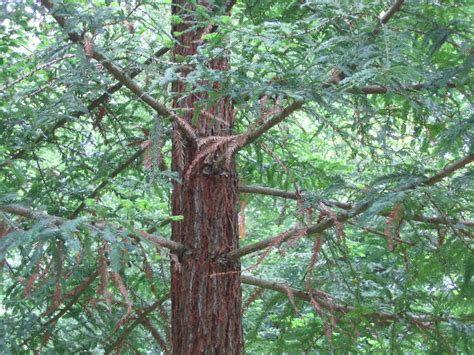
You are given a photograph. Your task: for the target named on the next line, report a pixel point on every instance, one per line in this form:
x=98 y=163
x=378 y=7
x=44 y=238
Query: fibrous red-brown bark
x=205 y=290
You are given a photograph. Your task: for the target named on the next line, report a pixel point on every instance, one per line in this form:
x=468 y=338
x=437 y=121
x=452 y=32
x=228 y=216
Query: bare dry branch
x=263 y=190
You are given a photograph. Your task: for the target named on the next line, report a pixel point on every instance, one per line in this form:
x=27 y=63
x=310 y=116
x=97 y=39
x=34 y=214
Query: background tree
x=345 y=126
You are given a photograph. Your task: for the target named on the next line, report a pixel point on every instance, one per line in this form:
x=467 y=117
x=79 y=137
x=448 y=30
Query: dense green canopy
x=356 y=135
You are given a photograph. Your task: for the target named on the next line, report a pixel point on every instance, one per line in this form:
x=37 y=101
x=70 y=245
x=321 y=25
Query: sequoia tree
x=144 y=141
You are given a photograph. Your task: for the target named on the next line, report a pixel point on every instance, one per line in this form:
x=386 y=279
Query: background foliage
x=386 y=105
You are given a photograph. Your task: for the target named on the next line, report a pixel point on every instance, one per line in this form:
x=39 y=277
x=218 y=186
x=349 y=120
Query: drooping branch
x=157 y=240
x=283 y=288
x=344 y=216
x=122 y=77
x=156 y=335
x=442 y=220
x=379 y=89
x=109 y=178
x=327 y=303
x=386 y=16
x=269 y=191
x=47 y=135
x=383 y=235
x=253 y=134
x=78 y=291
x=35 y=70
x=139 y=320
x=283 y=237
x=27 y=213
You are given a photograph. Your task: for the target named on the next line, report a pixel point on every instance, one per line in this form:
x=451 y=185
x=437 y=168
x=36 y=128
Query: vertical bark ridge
x=205 y=291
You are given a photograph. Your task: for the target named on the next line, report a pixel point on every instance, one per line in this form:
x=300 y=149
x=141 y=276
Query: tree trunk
x=205 y=290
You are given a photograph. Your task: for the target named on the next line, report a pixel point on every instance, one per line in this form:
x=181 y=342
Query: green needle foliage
x=86 y=176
